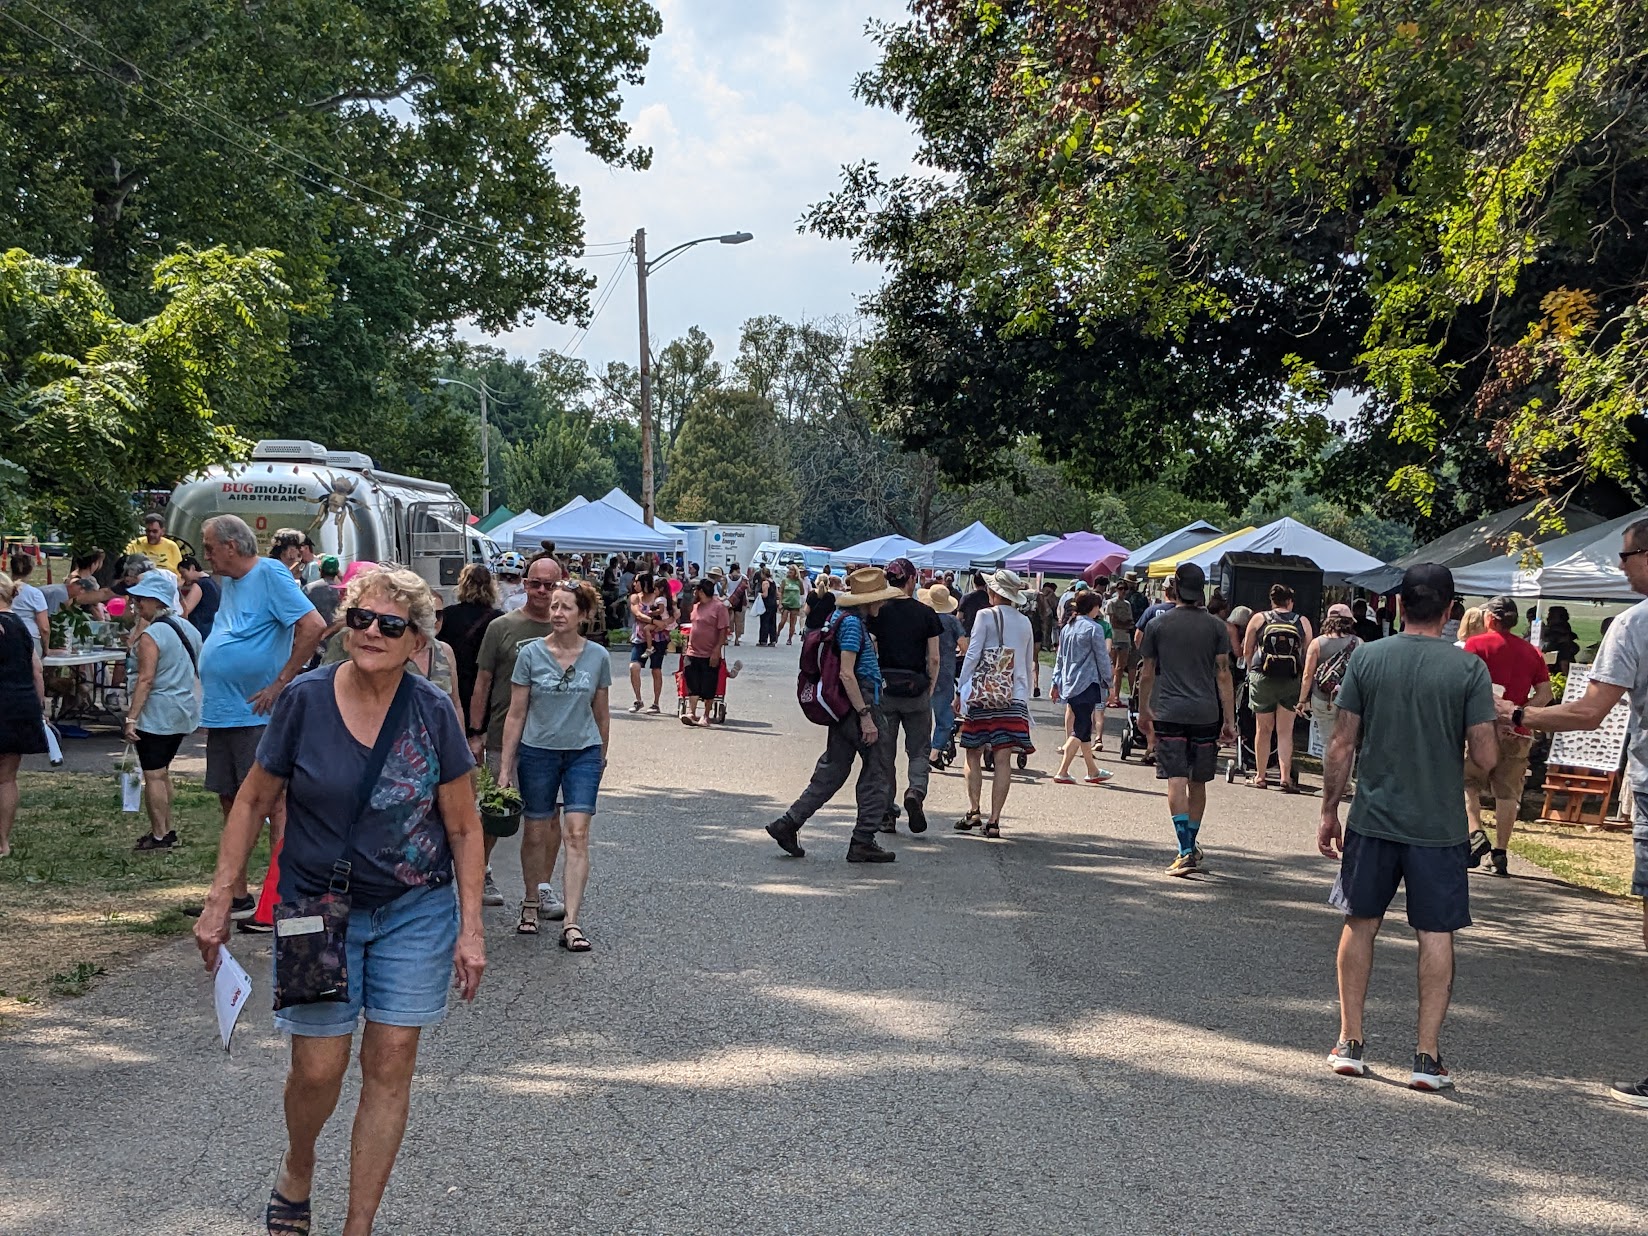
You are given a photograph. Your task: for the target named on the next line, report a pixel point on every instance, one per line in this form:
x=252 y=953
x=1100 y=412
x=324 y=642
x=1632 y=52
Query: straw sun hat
x=866 y=586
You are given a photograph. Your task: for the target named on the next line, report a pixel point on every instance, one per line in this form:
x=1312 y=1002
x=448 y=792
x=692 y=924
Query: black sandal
x=992 y=828
x=578 y=943
x=528 y=926
x=282 y=1216
x=969 y=821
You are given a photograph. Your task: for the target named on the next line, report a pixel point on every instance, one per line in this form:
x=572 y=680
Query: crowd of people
x=352 y=714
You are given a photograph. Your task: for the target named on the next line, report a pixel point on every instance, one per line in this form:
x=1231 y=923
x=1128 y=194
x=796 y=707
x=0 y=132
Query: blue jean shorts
x=1439 y=895
x=1639 y=843
x=552 y=781
x=400 y=967
x=647 y=654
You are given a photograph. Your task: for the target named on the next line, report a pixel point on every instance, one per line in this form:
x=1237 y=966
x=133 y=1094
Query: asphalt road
x=1038 y=1034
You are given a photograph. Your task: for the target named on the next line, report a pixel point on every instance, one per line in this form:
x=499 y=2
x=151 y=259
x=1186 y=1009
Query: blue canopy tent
x=1187 y=537
x=973 y=544
x=877 y=552
x=1290 y=538
x=594 y=528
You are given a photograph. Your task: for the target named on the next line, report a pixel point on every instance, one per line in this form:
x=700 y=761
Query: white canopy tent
x=1292 y=538
x=504 y=533
x=959 y=550
x=594 y=527
x=877 y=552
x=1582 y=566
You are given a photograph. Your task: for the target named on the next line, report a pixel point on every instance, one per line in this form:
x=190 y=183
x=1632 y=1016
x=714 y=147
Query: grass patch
x=74 y=888
x=1598 y=860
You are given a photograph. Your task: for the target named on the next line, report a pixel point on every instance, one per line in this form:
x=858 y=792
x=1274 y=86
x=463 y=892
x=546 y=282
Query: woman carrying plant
x=381 y=865
x=789 y=600
x=165 y=702
x=555 y=749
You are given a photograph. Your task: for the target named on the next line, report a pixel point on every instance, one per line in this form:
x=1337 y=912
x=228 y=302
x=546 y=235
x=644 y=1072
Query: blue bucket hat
x=158 y=585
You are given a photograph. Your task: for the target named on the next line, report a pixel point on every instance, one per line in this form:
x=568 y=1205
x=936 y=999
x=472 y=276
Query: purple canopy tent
x=1071 y=554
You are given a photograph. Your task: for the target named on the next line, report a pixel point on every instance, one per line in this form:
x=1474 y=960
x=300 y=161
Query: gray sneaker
x=490 y=896
x=548 y=907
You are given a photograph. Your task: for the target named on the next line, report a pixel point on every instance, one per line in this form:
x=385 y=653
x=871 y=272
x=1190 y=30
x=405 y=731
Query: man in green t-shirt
x=489 y=702
x=1415 y=703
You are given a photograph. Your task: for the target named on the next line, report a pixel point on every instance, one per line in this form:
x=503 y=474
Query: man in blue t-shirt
x=855 y=737
x=264 y=634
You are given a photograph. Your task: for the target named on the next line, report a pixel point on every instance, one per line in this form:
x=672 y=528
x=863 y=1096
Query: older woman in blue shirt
x=165 y=698
x=1081 y=678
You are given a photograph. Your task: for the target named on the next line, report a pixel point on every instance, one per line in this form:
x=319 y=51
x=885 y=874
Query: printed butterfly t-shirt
x=399 y=842
x=560 y=715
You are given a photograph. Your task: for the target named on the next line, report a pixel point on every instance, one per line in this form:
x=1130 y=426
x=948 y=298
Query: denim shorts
x=1639 y=843
x=552 y=781
x=1439 y=895
x=647 y=654
x=400 y=967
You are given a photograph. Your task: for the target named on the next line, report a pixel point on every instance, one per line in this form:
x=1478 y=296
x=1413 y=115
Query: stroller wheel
x=1024 y=760
x=1127 y=745
x=719 y=709
x=1230 y=773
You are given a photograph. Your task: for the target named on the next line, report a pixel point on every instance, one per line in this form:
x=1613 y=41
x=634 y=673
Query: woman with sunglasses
x=413 y=842
x=555 y=749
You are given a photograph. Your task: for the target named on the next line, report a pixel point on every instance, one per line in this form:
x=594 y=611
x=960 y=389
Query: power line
x=578 y=337
x=465 y=232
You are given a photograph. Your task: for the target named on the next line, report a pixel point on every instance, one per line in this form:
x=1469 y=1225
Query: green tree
x=556 y=464
x=95 y=408
x=729 y=463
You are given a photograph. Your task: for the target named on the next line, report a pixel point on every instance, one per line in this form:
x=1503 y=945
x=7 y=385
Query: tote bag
x=992 y=681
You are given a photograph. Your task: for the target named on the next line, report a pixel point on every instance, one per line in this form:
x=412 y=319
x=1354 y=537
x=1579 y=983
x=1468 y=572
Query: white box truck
x=714 y=544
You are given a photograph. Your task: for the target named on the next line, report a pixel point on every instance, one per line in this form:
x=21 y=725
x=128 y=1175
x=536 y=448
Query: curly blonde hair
x=397 y=584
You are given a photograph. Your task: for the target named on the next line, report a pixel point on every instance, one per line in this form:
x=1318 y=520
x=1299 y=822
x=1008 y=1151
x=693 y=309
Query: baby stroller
x=1245 y=761
x=1133 y=735
x=945 y=745
x=717 y=710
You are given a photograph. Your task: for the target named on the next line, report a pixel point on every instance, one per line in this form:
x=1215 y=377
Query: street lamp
x=486 y=452
x=642 y=269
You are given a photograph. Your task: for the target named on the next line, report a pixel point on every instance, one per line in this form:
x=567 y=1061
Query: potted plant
x=70 y=627
x=500 y=806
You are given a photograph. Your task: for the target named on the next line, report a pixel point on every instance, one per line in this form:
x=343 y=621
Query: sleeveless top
x=203 y=615
x=173 y=704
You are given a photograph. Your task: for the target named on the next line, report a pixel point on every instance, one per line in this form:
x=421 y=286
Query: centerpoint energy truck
x=720 y=545
x=345 y=503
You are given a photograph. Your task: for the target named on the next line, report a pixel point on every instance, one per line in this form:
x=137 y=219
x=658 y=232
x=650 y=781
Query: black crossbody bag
x=311 y=933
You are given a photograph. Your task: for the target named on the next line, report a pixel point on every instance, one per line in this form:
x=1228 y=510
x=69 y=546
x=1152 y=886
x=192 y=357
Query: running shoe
x=491 y=894
x=242 y=908
x=1346 y=1058
x=1429 y=1073
x=1480 y=847
x=637 y=706
x=148 y=841
x=1104 y=775
x=1186 y=864
x=1500 y=866
x=548 y=906
x=1634 y=1093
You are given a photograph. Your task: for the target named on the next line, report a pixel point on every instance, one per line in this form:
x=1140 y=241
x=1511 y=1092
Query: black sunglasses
x=1631 y=553
x=391 y=625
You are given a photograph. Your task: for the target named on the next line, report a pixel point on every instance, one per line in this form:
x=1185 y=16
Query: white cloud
x=750 y=114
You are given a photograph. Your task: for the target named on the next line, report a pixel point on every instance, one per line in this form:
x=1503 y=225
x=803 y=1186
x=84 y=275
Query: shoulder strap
x=393 y=720
x=184 y=640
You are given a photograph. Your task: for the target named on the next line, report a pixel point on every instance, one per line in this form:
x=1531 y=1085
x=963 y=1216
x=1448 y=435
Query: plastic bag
x=131 y=781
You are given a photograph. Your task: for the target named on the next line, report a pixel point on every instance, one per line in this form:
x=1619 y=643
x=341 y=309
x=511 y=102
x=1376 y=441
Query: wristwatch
x=1516 y=717
x=864 y=712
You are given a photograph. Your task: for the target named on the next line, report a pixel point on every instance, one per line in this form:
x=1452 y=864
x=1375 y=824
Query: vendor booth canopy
x=1020 y=548
x=973 y=544
x=1288 y=537
x=1479 y=541
x=1161 y=568
x=504 y=532
x=1192 y=534
x=1582 y=566
x=594 y=528
x=623 y=502
x=1070 y=554
x=877 y=552
x=497 y=516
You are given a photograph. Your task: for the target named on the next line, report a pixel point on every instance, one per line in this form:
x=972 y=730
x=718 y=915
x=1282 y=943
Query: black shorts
x=703 y=679
x=157 y=751
x=1439 y=894
x=1186 y=751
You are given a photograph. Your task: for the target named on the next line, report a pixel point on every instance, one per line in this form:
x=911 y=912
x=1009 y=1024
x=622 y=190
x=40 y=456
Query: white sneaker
x=490 y=896
x=548 y=907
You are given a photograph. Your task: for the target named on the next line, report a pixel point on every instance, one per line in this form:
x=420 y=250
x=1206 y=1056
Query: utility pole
x=646 y=375
x=486 y=460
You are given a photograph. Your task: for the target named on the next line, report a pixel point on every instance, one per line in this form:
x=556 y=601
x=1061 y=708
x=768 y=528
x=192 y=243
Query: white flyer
x=231 y=988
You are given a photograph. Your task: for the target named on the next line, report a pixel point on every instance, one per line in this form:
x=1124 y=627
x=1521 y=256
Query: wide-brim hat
x=866 y=586
x=1007 y=585
x=939 y=599
x=158 y=585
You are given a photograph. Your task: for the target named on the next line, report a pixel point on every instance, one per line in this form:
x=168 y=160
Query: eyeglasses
x=538 y=585
x=1630 y=553
x=391 y=626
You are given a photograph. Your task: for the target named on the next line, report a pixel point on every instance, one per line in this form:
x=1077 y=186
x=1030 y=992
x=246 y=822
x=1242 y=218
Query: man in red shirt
x=711 y=627
x=1517 y=666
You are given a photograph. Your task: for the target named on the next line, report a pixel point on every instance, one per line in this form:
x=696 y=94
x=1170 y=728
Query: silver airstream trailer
x=347 y=505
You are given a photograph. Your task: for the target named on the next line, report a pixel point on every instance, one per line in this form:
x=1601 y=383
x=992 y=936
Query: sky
x=748 y=108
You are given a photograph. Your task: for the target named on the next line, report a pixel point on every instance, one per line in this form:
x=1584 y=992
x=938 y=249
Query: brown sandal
x=573 y=939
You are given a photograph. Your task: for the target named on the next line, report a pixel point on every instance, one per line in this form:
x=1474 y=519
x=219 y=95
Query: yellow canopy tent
x=1163 y=567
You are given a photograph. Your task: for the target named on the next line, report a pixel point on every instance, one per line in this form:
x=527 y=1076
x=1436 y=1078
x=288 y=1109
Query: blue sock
x=1187 y=837
x=1195 y=831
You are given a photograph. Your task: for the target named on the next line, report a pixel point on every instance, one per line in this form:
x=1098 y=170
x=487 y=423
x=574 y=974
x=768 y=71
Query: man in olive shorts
x=1124 y=661
x=1186 y=694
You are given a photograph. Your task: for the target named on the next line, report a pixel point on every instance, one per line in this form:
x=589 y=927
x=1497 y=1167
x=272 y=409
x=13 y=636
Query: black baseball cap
x=1191 y=582
x=1504 y=609
x=1427 y=581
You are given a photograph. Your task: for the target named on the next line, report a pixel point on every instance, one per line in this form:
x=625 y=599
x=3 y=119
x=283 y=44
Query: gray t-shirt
x=1622 y=661
x=560 y=713
x=1418 y=696
x=324 y=597
x=1185 y=643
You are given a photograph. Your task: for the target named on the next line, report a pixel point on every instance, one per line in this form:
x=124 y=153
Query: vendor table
x=90 y=702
